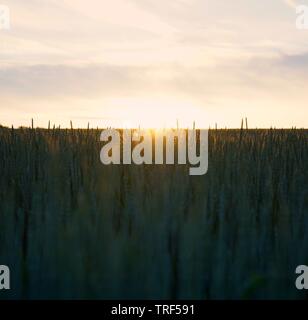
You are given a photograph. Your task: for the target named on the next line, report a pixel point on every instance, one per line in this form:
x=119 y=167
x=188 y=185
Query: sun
x=156 y=113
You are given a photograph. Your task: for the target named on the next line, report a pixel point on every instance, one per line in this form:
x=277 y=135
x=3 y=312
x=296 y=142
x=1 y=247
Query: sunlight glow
x=158 y=114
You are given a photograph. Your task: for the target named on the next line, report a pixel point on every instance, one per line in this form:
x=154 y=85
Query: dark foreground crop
x=73 y=228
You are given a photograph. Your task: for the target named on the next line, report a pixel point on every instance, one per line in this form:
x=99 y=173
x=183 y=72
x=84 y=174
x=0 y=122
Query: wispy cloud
x=217 y=54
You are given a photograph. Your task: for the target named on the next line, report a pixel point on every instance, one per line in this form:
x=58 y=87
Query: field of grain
x=71 y=227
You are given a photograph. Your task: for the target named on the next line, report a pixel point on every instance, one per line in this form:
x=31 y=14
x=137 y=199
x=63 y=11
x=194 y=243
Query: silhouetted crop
x=71 y=227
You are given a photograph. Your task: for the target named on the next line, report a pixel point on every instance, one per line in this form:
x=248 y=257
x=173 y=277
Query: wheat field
x=73 y=228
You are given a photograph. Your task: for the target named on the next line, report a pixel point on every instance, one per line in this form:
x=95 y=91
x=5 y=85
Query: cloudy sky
x=150 y=62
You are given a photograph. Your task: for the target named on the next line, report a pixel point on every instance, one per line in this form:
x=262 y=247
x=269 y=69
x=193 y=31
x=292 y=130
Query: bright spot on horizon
x=158 y=114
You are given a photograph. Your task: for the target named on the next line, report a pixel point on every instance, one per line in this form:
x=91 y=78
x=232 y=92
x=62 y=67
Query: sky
x=153 y=62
